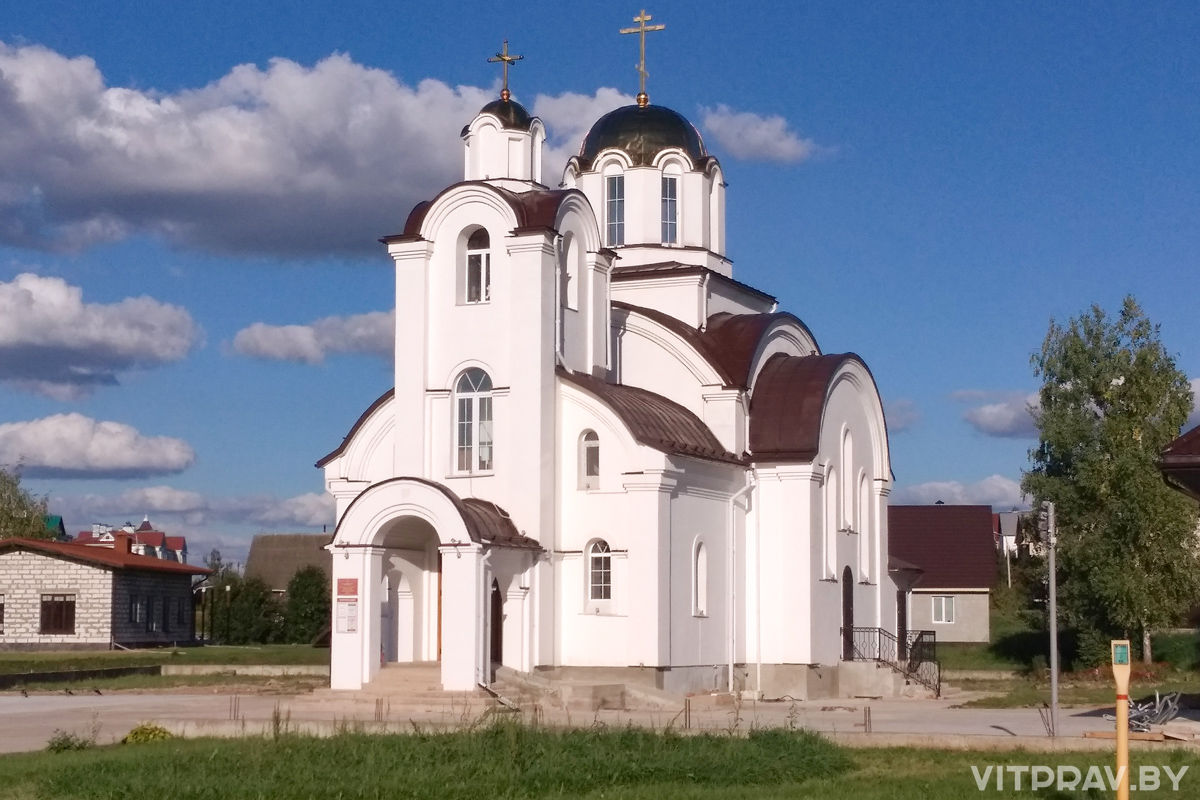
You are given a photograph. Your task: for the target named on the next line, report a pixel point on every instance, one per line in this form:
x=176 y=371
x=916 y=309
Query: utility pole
x=1049 y=529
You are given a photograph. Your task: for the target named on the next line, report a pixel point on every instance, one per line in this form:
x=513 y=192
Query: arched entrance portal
x=409 y=610
x=496 y=624
x=847 y=615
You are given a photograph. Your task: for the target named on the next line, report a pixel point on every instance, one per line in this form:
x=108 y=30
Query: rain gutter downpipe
x=731 y=572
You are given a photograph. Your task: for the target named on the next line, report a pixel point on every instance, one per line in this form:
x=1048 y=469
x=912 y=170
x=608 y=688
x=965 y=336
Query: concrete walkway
x=30 y=721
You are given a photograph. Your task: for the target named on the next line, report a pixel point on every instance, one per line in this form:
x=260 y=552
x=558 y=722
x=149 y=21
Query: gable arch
x=488 y=209
x=368 y=515
x=852 y=372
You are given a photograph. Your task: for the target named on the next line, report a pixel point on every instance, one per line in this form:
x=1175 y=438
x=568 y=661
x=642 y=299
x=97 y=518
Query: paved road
x=28 y=722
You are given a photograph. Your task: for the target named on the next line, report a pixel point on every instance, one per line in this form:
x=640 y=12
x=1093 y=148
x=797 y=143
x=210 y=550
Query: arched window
x=865 y=537
x=831 y=520
x=589 y=460
x=473 y=426
x=599 y=571
x=614 y=210
x=570 y=272
x=670 y=209
x=846 y=518
x=700 y=581
x=478 y=277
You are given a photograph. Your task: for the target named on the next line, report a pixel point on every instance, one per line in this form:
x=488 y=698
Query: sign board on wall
x=347 y=587
x=347 y=616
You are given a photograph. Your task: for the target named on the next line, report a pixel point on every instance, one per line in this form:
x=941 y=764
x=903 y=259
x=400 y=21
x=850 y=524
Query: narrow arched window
x=478 y=277
x=700 y=581
x=832 y=498
x=599 y=571
x=670 y=209
x=473 y=423
x=589 y=460
x=614 y=210
x=846 y=517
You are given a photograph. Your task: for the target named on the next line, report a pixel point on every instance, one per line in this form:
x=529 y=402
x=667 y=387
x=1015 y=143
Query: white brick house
x=58 y=596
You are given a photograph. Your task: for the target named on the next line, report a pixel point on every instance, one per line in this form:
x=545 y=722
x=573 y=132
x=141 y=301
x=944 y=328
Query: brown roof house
x=275 y=557
x=62 y=596
x=1180 y=463
x=954 y=548
x=145 y=539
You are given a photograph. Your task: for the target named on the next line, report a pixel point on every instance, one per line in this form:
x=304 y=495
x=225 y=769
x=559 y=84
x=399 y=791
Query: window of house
x=168 y=613
x=599 y=571
x=153 y=614
x=58 y=614
x=137 y=609
x=670 y=199
x=181 y=611
x=473 y=427
x=943 y=608
x=589 y=460
x=614 y=210
x=1 y=613
x=479 y=268
x=700 y=581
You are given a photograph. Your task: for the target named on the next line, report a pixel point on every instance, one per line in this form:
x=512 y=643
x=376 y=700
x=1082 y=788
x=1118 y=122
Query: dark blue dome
x=642 y=132
x=511 y=114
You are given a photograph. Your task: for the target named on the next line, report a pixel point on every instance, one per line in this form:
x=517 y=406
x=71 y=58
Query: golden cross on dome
x=642 y=29
x=505 y=58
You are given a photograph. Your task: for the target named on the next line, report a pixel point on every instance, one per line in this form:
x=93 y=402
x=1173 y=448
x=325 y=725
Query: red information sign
x=347 y=587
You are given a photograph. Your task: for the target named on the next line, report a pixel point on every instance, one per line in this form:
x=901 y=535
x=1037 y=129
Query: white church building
x=602 y=450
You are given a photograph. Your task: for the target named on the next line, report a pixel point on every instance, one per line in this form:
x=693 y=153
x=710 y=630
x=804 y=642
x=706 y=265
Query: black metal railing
x=916 y=657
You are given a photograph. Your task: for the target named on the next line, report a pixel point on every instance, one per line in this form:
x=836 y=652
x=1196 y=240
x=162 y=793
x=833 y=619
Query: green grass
x=259 y=683
x=510 y=761
x=19 y=661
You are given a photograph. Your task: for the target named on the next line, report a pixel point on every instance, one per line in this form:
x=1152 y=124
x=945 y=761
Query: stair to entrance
x=401 y=689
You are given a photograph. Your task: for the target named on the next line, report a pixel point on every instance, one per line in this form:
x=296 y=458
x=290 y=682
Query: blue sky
x=193 y=304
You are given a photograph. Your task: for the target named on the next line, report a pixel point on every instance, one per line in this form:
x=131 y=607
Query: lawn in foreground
x=49 y=661
x=508 y=760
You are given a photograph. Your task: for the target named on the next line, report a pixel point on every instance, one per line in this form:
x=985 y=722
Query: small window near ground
x=58 y=615
x=589 y=460
x=943 y=608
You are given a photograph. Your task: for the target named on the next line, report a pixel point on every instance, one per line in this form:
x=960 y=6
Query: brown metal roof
x=1180 y=463
x=486 y=522
x=735 y=339
x=535 y=209
x=655 y=421
x=952 y=544
x=106 y=557
x=659 y=268
x=494 y=526
x=699 y=342
x=787 y=404
x=275 y=557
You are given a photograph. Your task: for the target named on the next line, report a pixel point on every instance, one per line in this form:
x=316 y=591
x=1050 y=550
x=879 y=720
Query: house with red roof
x=954 y=547
x=146 y=540
x=1180 y=463
x=66 y=595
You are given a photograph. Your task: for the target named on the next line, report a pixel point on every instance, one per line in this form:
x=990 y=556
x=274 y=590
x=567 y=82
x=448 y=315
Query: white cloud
x=753 y=137
x=902 y=415
x=53 y=343
x=372 y=333
x=1001 y=414
x=996 y=490
x=179 y=509
x=284 y=159
x=568 y=117
x=75 y=446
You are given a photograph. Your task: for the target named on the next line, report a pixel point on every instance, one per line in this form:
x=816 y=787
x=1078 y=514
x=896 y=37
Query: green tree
x=307 y=611
x=1111 y=399
x=253 y=611
x=21 y=514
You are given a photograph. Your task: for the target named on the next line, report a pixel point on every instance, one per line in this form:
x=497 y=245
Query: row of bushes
x=242 y=610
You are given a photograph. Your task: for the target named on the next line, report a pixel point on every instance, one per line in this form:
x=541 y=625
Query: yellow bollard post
x=1120 y=667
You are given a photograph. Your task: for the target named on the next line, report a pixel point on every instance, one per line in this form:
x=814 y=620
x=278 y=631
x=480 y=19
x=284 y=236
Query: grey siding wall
x=25 y=577
x=971 y=615
x=167 y=600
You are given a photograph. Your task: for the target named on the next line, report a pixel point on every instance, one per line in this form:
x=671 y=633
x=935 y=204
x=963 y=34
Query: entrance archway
x=847 y=615
x=496 y=625
x=409 y=612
